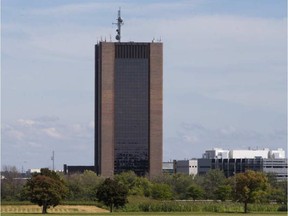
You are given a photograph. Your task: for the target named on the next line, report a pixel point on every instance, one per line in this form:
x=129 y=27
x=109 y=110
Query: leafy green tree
x=83 y=186
x=272 y=180
x=45 y=189
x=161 y=192
x=11 y=184
x=137 y=185
x=164 y=178
x=112 y=194
x=142 y=187
x=223 y=192
x=211 y=181
x=89 y=182
x=282 y=185
x=278 y=192
x=195 y=192
x=250 y=187
x=180 y=185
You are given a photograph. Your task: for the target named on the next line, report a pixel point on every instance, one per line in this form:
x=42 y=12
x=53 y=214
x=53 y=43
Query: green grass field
x=61 y=210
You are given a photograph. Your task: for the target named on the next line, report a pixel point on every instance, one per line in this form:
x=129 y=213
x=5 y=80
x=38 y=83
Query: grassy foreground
x=149 y=214
x=61 y=209
x=32 y=210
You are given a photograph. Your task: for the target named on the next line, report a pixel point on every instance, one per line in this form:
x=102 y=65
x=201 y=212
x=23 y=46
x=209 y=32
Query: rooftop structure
x=218 y=153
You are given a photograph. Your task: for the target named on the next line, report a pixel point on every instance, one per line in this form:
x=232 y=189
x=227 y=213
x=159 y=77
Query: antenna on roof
x=119 y=23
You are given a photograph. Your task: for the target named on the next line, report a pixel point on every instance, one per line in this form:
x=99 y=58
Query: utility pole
x=53 y=160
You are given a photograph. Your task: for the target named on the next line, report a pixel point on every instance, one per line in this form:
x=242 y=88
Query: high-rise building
x=128 y=108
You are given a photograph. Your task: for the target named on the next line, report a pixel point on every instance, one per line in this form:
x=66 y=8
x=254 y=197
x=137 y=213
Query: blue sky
x=225 y=74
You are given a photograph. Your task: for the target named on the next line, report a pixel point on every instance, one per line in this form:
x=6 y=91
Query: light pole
x=53 y=160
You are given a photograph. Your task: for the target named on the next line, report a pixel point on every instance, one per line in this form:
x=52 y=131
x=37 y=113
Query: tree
x=223 y=192
x=210 y=182
x=195 y=192
x=180 y=184
x=83 y=186
x=161 y=192
x=11 y=184
x=112 y=194
x=278 y=192
x=45 y=189
x=249 y=187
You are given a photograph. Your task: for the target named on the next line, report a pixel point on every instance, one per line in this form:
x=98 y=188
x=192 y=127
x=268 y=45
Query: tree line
x=48 y=188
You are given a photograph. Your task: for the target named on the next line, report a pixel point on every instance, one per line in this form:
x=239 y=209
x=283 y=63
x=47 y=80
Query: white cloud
x=14 y=134
x=66 y=9
x=26 y=122
x=53 y=132
x=192 y=139
x=228 y=130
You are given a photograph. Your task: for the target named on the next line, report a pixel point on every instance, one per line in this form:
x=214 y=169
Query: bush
x=282 y=208
x=161 y=192
x=150 y=205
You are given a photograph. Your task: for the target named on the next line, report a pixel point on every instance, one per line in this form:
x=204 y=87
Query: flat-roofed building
x=167 y=167
x=250 y=153
x=128 y=108
x=189 y=167
x=216 y=153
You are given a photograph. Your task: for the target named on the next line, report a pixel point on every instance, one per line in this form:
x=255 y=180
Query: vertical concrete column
x=107 y=109
x=156 y=110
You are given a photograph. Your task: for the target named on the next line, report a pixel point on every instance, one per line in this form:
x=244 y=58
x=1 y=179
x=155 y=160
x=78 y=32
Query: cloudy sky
x=225 y=74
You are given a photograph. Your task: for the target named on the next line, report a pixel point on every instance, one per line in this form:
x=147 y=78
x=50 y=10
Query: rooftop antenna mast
x=119 y=23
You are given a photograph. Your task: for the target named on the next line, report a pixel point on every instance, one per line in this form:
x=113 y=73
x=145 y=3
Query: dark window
x=131 y=112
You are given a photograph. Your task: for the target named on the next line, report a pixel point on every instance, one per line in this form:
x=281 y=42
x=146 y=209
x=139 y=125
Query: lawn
x=61 y=210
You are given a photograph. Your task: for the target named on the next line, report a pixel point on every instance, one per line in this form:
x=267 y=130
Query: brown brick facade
x=105 y=104
x=156 y=101
x=107 y=109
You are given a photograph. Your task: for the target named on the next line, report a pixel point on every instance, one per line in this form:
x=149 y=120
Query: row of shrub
x=197 y=206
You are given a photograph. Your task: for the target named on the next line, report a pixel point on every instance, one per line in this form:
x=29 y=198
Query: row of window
x=131 y=51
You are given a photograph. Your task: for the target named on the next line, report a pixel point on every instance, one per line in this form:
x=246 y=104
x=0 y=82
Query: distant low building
x=34 y=170
x=238 y=161
x=189 y=167
x=276 y=166
x=77 y=169
x=167 y=167
x=218 y=153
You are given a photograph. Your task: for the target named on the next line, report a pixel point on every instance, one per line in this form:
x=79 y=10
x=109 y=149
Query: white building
x=216 y=153
x=235 y=154
x=276 y=154
x=31 y=171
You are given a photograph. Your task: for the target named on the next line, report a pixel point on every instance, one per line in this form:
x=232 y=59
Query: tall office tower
x=128 y=108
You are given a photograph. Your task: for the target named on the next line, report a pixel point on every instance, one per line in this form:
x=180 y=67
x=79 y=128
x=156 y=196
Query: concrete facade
x=276 y=166
x=231 y=167
x=218 y=153
x=167 y=167
x=189 y=167
x=263 y=153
